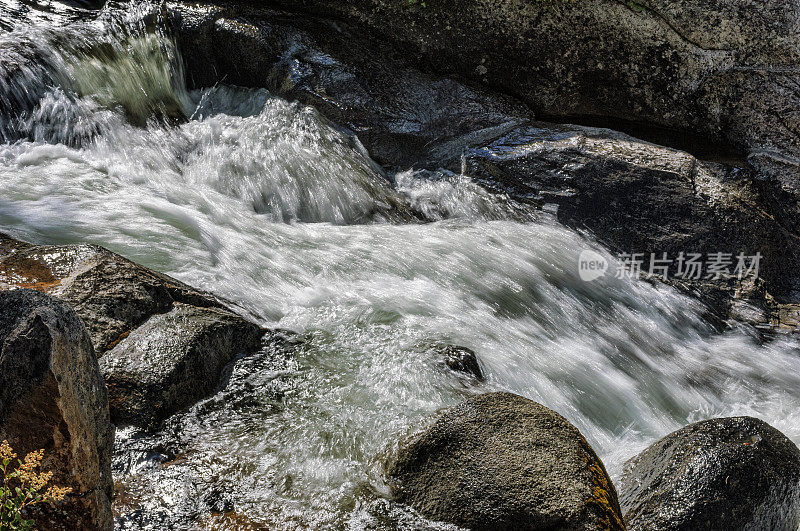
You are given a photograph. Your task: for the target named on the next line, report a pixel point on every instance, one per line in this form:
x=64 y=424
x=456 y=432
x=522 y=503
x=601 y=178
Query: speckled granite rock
x=500 y=461
x=173 y=360
x=167 y=342
x=720 y=474
x=110 y=293
x=52 y=397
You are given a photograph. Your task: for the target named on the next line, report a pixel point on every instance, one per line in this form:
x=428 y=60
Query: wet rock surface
x=730 y=473
x=168 y=347
x=257 y=382
x=461 y=360
x=167 y=343
x=500 y=461
x=401 y=114
x=641 y=198
x=173 y=360
x=111 y=294
x=52 y=397
x=724 y=70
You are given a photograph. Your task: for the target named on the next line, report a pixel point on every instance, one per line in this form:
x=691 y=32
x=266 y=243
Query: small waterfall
x=55 y=81
x=112 y=93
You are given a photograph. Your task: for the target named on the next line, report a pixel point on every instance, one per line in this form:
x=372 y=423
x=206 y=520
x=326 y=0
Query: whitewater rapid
x=267 y=204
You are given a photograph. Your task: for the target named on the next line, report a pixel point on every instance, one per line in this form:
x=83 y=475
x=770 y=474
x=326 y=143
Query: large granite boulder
x=720 y=474
x=172 y=361
x=721 y=72
x=500 y=461
x=167 y=342
x=52 y=397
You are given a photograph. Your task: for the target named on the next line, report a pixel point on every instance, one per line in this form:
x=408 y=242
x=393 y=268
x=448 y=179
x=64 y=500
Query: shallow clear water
x=265 y=203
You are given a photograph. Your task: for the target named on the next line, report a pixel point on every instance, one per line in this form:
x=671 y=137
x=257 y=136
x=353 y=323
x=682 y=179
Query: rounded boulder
x=501 y=461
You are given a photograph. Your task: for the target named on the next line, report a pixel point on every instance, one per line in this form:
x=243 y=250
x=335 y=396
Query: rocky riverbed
x=312 y=265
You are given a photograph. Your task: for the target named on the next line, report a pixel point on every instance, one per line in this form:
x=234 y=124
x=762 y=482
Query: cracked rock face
x=173 y=360
x=720 y=474
x=111 y=294
x=500 y=461
x=728 y=70
x=52 y=397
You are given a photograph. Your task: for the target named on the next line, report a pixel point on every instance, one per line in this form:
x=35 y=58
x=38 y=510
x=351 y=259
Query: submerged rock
x=500 y=461
x=720 y=474
x=172 y=361
x=52 y=397
x=460 y=359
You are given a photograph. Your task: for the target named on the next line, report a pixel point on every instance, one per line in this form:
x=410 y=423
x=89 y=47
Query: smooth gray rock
x=173 y=360
x=52 y=397
x=500 y=461
x=720 y=474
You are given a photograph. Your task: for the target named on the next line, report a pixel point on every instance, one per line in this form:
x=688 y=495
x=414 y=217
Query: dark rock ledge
x=162 y=344
x=725 y=72
x=639 y=197
x=111 y=294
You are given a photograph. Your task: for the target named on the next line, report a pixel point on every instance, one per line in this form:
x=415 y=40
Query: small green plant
x=21 y=486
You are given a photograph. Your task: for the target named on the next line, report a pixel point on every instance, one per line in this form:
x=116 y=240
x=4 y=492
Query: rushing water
x=264 y=202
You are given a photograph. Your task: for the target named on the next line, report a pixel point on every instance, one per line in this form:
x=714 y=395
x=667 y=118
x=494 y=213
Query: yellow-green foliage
x=21 y=486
